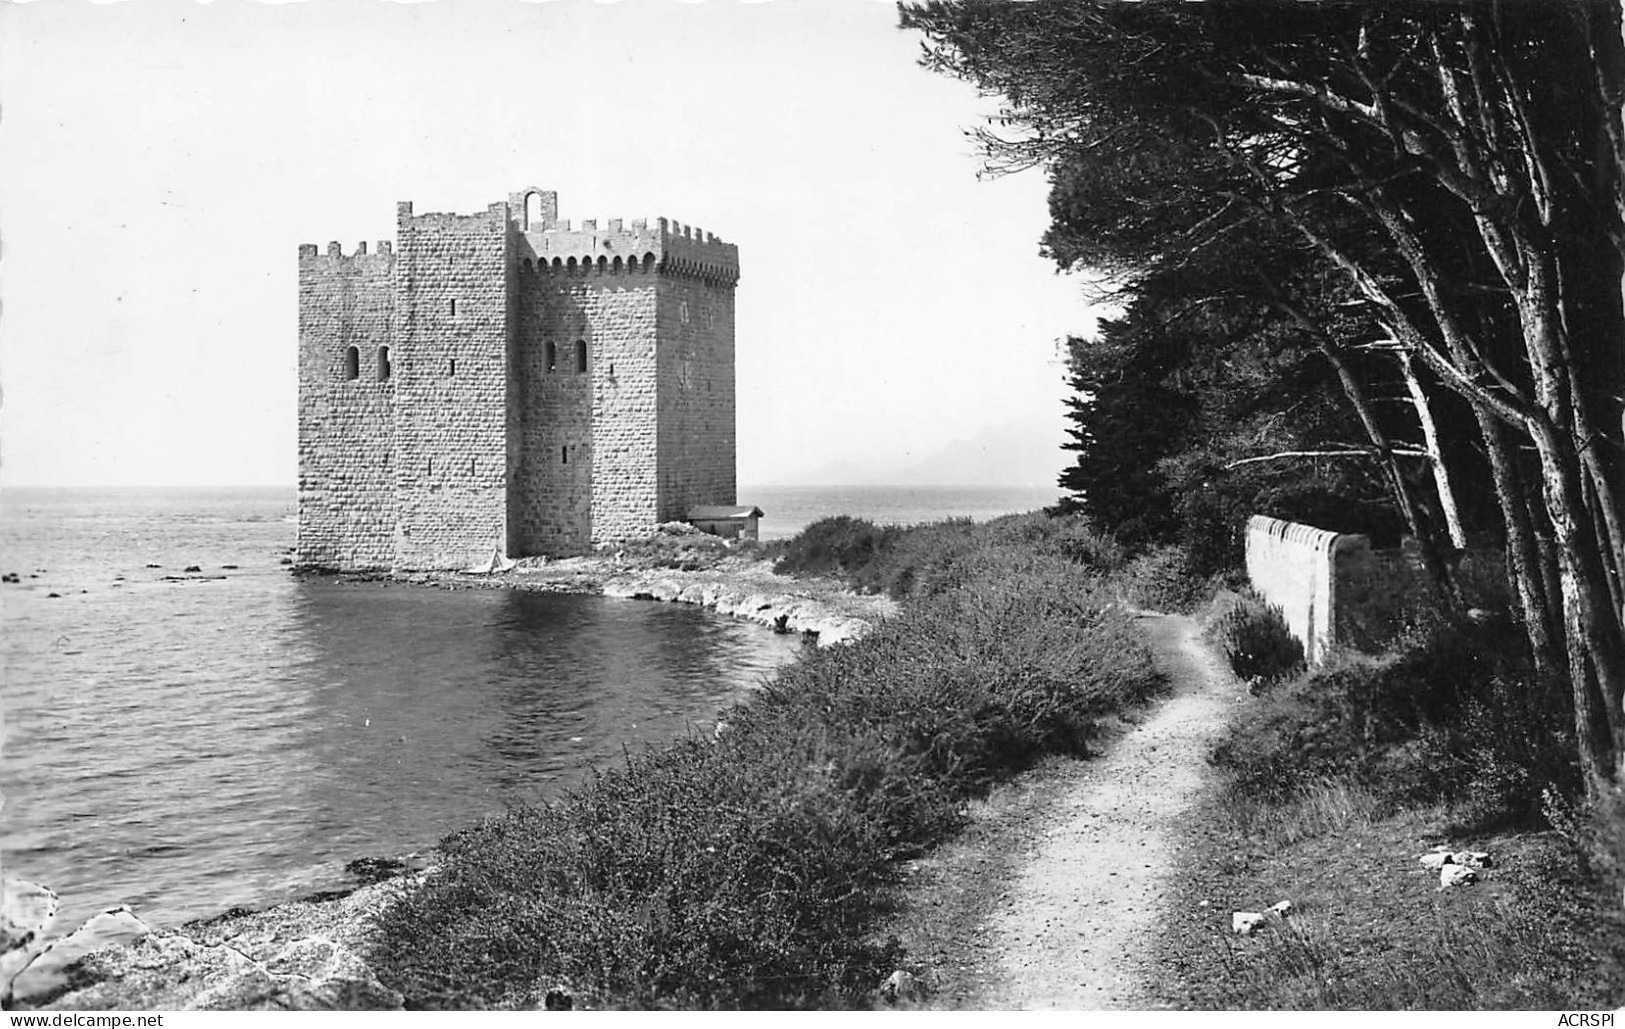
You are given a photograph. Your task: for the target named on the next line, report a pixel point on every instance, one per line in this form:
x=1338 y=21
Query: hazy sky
x=160 y=163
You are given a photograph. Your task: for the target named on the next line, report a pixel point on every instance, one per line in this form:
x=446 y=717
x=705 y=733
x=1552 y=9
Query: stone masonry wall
x=581 y=427
x=1294 y=567
x=346 y=445
x=451 y=387
x=623 y=291
x=1334 y=589
x=588 y=438
x=697 y=441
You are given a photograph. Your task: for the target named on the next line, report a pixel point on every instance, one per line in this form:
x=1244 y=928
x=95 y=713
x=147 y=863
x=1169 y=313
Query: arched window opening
x=619 y=265
x=352 y=363
x=533 y=210
x=570 y=266
x=552 y=356
x=527 y=266
x=603 y=265
x=383 y=364
x=581 y=355
x=558 y=265
x=648 y=262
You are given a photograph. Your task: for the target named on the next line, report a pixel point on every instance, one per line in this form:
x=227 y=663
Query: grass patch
x=751 y=869
x=1329 y=790
x=1371 y=930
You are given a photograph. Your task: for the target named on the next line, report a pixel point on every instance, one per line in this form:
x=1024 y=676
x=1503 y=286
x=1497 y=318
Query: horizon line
x=294 y=487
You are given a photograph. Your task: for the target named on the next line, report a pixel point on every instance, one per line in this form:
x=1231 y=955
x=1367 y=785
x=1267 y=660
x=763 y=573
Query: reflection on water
x=189 y=746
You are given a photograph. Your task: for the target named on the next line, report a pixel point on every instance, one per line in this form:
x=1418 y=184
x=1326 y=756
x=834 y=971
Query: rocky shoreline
x=310 y=954
x=737 y=585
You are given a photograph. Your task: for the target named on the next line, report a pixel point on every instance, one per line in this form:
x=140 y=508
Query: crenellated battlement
x=311 y=255
x=491 y=218
x=663 y=245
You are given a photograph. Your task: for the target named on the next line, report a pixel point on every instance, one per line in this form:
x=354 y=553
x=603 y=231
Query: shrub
x=841 y=546
x=1455 y=716
x=1161 y=579
x=673 y=545
x=1596 y=829
x=1256 y=642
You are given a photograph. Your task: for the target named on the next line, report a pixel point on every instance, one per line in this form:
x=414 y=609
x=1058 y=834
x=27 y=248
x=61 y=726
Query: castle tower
x=535 y=388
x=451 y=387
x=624 y=362
x=347 y=511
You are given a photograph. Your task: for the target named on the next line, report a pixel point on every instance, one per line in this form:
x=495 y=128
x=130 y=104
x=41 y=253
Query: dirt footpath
x=1051 y=899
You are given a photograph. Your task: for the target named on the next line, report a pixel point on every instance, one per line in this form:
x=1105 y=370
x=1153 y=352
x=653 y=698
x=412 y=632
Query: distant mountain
x=1011 y=454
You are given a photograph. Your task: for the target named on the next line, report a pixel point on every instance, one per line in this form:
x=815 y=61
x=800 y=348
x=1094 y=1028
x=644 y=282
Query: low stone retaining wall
x=1295 y=568
x=1335 y=589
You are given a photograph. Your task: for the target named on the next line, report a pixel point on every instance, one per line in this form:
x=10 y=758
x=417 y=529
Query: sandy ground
x=1051 y=899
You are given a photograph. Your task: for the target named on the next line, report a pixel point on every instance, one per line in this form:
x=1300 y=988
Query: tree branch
x=1362 y=452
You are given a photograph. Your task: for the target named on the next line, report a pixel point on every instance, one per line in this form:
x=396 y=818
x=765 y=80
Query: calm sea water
x=185 y=746
x=788 y=509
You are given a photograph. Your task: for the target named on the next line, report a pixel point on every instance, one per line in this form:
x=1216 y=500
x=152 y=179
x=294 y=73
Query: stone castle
x=503 y=382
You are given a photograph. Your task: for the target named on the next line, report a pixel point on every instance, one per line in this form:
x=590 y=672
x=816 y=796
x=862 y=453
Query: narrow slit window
x=581 y=355
x=352 y=363
x=454 y=307
x=383 y=364
x=451 y=368
x=552 y=356
x=564 y=455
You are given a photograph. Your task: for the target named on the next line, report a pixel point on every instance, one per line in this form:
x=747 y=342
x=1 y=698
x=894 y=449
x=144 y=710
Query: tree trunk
x=1526 y=563
x=1591 y=627
x=1430 y=437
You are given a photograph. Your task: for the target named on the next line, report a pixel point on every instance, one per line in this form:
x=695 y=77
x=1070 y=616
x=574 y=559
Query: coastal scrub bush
x=675 y=545
x=933 y=557
x=842 y=547
x=1454 y=716
x=750 y=869
x=1162 y=579
x=1255 y=640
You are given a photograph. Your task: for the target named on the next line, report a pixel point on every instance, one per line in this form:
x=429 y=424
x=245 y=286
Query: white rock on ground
x=1245 y=922
x=1439 y=857
x=900 y=986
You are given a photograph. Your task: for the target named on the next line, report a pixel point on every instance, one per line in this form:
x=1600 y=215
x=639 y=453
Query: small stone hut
x=728 y=522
